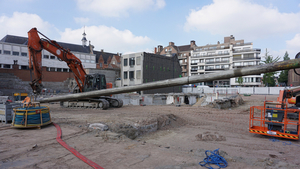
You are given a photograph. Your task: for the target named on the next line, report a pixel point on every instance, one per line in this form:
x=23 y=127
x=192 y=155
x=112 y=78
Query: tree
x=240 y=80
x=283 y=77
x=268 y=78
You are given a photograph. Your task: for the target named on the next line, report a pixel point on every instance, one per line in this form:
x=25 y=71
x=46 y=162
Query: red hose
x=72 y=150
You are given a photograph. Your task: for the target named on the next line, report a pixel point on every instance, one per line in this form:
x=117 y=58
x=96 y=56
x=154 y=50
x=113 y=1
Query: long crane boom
x=253 y=70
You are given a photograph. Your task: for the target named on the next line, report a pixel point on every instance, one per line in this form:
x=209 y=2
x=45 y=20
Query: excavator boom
x=35 y=47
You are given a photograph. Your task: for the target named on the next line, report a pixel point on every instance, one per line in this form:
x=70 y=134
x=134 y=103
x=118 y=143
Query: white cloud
x=242 y=18
x=81 y=20
x=293 y=46
x=118 y=8
x=108 y=38
x=20 y=23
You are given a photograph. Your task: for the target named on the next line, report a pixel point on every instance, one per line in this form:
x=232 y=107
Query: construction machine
x=85 y=82
x=278 y=118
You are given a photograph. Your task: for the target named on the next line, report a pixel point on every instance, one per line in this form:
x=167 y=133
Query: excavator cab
x=94 y=82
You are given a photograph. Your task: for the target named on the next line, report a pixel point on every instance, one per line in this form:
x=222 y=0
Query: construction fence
x=234 y=90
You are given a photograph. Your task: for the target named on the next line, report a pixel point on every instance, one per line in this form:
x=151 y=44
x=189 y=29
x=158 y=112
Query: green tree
x=240 y=80
x=268 y=78
x=283 y=76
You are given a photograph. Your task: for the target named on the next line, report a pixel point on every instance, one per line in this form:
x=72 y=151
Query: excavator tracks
x=98 y=103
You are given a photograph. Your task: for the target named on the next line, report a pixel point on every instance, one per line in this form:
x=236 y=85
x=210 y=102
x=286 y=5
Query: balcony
x=194 y=70
x=243 y=44
x=183 y=70
x=248 y=58
x=182 y=57
x=211 y=48
x=183 y=63
x=216 y=69
x=221 y=54
x=226 y=61
x=246 y=50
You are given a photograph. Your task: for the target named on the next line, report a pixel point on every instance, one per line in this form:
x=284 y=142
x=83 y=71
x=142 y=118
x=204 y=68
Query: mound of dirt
x=162 y=122
x=208 y=136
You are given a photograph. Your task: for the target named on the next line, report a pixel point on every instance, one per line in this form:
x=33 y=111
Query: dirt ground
x=159 y=137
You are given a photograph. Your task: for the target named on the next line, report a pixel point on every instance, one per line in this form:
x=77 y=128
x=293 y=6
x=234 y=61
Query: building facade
x=142 y=67
x=183 y=52
x=220 y=57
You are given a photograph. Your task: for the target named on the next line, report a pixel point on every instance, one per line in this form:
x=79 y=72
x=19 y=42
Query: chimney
x=102 y=50
x=91 y=48
x=155 y=50
x=171 y=43
x=218 y=42
x=193 y=43
x=159 y=49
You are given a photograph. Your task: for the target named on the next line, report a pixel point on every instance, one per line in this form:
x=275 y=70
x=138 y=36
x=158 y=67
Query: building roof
x=105 y=56
x=184 y=48
x=14 y=39
x=23 y=41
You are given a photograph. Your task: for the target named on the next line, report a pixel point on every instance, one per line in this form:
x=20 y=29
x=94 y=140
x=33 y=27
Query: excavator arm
x=35 y=47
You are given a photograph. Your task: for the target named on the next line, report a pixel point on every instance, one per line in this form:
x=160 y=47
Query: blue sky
x=126 y=26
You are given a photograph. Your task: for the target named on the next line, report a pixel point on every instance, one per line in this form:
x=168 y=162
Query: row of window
x=209 y=60
x=7 y=52
x=51 y=69
x=210 y=67
x=132 y=61
x=131 y=74
x=249 y=79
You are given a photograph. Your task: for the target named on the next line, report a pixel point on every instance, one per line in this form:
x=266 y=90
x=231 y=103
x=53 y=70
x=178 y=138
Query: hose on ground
x=72 y=150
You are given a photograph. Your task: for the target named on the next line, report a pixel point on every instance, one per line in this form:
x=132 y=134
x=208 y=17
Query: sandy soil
x=182 y=137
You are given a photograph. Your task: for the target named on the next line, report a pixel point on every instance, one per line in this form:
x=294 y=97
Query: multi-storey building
x=219 y=57
x=183 y=52
x=142 y=67
x=14 y=59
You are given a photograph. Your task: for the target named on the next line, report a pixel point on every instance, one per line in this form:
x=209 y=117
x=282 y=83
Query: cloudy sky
x=126 y=26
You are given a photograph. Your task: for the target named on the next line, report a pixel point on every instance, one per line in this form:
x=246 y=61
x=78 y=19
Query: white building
x=224 y=56
x=13 y=49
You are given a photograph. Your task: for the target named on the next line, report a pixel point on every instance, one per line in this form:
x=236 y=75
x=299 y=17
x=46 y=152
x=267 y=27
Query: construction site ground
x=159 y=137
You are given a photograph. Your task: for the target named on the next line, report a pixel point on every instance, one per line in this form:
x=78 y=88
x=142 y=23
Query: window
x=217 y=66
x=6 y=52
x=125 y=62
x=100 y=64
x=52 y=69
x=65 y=70
x=46 y=56
x=138 y=60
x=201 y=67
x=217 y=59
x=237 y=64
x=23 y=54
x=131 y=75
x=59 y=69
x=16 y=53
x=52 y=57
x=114 y=62
x=131 y=61
x=225 y=59
x=220 y=52
x=24 y=67
x=201 y=60
x=125 y=75
x=138 y=74
x=6 y=66
x=0 y=51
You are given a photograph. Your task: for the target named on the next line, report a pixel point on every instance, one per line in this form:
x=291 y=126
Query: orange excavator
x=85 y=82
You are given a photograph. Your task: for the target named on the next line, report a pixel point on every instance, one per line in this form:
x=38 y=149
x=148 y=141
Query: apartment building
x=231 y=54
x=183 y=52
x=142 y=67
